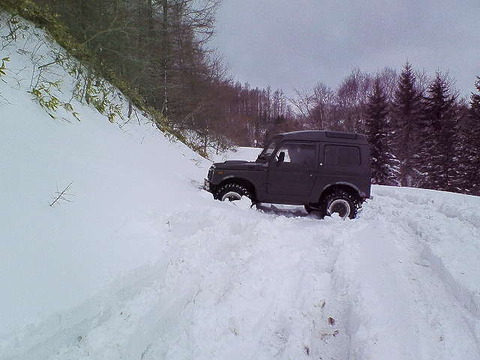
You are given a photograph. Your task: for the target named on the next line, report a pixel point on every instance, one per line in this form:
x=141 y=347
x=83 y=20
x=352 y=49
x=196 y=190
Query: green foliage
x=48 y=21
x=45 y=98
x=95 y=92
x=3 y=67
x=98 y=93
x=68 y=107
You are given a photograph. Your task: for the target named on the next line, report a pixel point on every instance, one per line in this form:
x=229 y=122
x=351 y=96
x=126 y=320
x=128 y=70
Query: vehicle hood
x=237 y=165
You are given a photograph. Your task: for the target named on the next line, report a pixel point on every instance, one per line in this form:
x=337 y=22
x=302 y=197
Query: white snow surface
x=239 y=153
x=143 y=264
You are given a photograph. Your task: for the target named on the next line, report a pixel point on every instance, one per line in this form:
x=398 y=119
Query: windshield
x=268 y=150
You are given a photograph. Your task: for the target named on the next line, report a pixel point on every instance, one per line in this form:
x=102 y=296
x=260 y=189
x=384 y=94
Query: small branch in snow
x=62 y=195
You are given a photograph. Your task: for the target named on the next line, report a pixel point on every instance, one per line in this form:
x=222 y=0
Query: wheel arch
x=347 y=187
x=240 y=181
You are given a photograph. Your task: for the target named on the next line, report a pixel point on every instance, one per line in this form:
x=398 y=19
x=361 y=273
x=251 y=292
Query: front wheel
x=232 y=192
x=342 y=203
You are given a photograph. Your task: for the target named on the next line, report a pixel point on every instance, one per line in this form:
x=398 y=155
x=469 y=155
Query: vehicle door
x=292 y=171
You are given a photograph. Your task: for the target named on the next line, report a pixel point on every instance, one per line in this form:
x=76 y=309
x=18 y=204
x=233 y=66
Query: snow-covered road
x=413 y=278
x=399 y=282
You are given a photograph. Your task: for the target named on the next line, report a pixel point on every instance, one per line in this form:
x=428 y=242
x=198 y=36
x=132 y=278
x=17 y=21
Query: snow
x=143 y=264
x=120 y=178
x=239 y=153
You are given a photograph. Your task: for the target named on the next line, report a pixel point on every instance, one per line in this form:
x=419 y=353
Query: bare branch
x=62 y=195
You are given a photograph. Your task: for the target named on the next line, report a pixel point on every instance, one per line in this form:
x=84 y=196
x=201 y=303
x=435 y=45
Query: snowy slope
x=120 y=176
x=240 y=153
x=142 y=264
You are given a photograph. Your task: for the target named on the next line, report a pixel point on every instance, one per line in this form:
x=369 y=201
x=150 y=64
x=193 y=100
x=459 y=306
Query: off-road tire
x=232 y=192
x=341 y=202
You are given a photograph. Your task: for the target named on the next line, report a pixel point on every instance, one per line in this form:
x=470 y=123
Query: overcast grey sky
x=292 y=44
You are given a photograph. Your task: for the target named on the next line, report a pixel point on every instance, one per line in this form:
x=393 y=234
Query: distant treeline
x=422 y=133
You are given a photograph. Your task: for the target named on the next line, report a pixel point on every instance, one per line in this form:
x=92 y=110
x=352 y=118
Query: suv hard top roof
x=324 y=135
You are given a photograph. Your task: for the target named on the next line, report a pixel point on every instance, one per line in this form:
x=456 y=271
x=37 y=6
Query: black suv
x=322 y=170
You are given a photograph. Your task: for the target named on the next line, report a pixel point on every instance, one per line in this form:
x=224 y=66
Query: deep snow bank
x=121 y=175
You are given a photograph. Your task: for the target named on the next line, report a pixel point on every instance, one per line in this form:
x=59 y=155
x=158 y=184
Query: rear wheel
x=232 y=192
x=342 y=203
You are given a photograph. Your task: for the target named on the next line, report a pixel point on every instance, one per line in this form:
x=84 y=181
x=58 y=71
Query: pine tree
x=407 y=111
x=384 y=164
x=440 y=165
x=471 y=146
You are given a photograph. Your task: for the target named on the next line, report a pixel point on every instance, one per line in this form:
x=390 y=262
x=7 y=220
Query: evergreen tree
x=438 y=134
x=407 y=111
x=384 y=164
x=471 y=145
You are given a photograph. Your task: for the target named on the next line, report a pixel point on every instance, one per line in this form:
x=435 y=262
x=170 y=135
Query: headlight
x=210 y=172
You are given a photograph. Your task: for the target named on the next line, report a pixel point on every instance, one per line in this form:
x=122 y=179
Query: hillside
x=136 y=262
x=121 y=175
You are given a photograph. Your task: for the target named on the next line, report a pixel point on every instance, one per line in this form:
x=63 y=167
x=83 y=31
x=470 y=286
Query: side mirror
x=281 y=157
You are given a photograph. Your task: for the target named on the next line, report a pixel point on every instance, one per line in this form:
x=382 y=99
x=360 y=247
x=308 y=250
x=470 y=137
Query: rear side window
x=340 y=155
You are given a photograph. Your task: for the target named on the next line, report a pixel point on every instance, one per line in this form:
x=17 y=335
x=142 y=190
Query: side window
x=340 y=155
x=298 y=154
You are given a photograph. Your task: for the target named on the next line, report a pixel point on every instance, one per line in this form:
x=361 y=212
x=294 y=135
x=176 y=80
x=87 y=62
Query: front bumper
x=206 y=185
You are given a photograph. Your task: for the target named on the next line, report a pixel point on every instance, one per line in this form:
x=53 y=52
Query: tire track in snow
x=447 y=246
x=287 y=306
x=444 y=305
x=332 y=334
x=242 y=284
x=378 y=297
x=230 y=283
x=283 y=272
